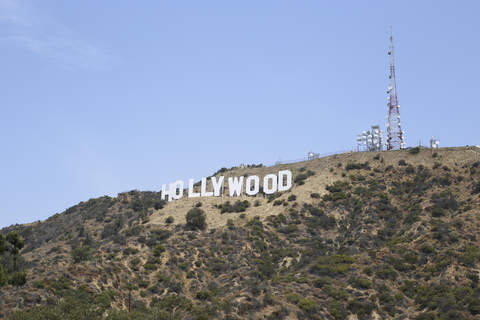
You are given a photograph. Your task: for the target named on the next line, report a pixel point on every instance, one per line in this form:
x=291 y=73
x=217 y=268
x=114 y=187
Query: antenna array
x=434 y=143
x=395 y=139
x=371 y=140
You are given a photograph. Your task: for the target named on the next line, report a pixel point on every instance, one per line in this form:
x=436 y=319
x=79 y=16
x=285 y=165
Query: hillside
x=389 y=235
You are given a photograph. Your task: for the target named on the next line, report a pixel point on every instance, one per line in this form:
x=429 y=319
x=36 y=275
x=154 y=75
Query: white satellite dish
x=387 y=125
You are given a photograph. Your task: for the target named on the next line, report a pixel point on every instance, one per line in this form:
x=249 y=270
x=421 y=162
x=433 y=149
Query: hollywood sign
x=271 y=184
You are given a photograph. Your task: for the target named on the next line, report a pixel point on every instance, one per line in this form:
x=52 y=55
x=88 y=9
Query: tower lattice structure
x=394 y=129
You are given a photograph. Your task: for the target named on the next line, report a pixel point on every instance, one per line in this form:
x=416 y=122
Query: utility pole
x=129 y=300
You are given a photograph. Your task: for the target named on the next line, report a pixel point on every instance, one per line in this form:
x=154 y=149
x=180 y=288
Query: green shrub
x=410 y=258
x=303 y=176
x=169 y=220
x=333 y=265
x=62 y=283
x=307 y=305
x=360 y=283
x=293 y=297
x=357 y=166
x=129 y=250
x=278 y=202
x=203 y=295
x=338 y=294
x=415 y=150
x=337 y=309
x=103 y=299
x=281 y=218
x=386 y=272
x=150 y=266
x=239 y=206
x=470 y=256
x=40 y=284
x=142 y=283
x=135 y=261
x=368 y=271
x=322 y=281
x=265 y=269
x=360 y=308
x=427 y=249
x=158 y=250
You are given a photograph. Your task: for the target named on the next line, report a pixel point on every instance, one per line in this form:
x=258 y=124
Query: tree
x=9 y=272
x=82 y=253
x=19 y=279
x=4 y=277
x=196 y=218
x=12 y=243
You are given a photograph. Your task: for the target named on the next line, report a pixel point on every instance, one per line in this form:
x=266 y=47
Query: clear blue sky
x=101 y=97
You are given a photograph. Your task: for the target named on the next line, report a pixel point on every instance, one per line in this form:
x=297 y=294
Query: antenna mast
x=394 y=130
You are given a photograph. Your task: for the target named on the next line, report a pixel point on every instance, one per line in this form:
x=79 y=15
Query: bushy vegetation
x=400 y=241
x=238 y=206
x=357 y=166
x=303 y=175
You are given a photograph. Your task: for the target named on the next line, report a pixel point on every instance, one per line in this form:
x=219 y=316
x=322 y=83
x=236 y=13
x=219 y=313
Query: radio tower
x=394 y=129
